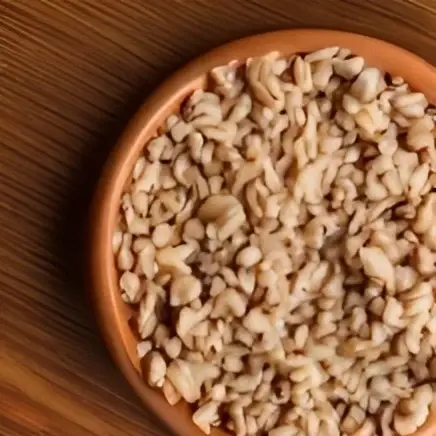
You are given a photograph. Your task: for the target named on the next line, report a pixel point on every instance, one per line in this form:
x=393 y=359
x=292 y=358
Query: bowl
x=112 y=313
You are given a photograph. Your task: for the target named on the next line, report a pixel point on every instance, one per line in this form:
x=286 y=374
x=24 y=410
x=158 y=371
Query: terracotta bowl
x=112 y=313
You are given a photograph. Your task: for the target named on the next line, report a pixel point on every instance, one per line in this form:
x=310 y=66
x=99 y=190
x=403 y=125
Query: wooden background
x=72 y=72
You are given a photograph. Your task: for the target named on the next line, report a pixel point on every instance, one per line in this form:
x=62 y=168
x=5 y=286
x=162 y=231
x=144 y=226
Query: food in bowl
x=277 y=240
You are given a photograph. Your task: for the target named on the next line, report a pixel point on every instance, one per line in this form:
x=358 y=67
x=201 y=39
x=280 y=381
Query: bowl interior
x=113 y=314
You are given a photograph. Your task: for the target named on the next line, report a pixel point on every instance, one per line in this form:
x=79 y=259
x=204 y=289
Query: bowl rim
x=100 y=278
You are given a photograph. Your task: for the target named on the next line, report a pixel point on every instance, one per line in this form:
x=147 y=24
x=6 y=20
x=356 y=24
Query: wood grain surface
x=72 y=72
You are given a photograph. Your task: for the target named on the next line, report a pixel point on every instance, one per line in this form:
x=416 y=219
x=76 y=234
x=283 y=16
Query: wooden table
x=72 y=72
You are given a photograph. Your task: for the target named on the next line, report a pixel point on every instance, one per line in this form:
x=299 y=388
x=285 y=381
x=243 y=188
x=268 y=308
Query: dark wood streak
x=71 y=74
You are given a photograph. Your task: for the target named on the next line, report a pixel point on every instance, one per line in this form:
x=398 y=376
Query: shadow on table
x=71 y=233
